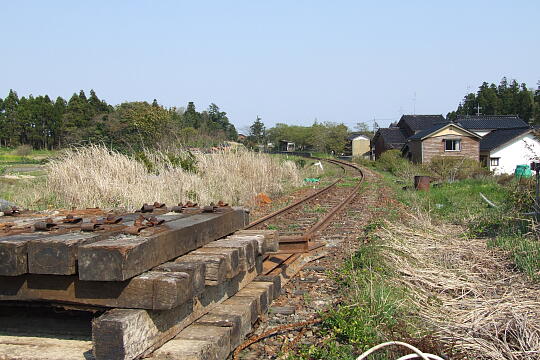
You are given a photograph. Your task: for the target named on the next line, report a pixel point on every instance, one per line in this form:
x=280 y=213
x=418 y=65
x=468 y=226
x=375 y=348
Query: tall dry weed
x=468 y=295
x=97 y=177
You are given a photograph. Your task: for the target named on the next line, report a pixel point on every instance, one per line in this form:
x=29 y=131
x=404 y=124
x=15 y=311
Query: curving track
x=300 y=222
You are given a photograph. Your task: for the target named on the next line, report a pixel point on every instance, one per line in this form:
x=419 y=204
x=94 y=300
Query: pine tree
x=257 y=130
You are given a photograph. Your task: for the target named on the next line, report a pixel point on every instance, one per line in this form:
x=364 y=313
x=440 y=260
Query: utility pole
x=478 y=108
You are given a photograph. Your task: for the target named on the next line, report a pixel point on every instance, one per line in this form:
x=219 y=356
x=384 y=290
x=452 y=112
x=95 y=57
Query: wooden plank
x=130 y=333
x=247 y=249
x=232 y=260
x=216 y=267
x=30 y=347
x=195 y=270
x=151 y=290
x=271 y=238
x=275 y=279
x=259 y=295
x=123 y=257
x=220 y=336
x=246 y=306
x=186 y=350
x=57 y=255
x=13 y=253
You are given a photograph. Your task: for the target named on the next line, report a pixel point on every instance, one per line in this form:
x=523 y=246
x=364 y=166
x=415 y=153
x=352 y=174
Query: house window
x=452 y=145
x=494 y=161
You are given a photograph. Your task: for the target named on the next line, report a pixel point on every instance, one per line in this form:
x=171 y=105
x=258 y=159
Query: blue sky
x=286 y=61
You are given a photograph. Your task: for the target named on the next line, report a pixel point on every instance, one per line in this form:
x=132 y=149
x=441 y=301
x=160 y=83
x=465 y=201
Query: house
x=443 y=139
x=286 y=146
x=387 y=139
x=358 y=145
x=396 y=136
x=507 y=141
x=412 y=124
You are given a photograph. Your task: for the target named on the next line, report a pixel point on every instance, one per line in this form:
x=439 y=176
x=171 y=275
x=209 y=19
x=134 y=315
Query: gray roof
x=393 y=137
x=352 y=136
x=422 y=122
x=487 y=122
x=422 y=134
x=500 y=137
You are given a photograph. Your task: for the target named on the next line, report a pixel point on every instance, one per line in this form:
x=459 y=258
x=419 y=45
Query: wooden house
x=448 y=139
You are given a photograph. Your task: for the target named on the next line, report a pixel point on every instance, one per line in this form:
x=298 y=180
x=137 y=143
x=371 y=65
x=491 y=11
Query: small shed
x=287 y=146
x=360 y=145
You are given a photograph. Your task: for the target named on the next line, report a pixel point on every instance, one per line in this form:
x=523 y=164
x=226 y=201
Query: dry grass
x=467 y=294
x=96 y=177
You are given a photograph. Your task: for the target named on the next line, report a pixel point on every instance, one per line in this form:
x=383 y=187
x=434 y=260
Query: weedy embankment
x=97 y=177
x=441 y=270
x=470 y=270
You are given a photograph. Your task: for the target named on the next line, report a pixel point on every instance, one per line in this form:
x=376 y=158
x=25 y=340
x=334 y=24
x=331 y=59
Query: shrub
x=393 y=162
x=23 y=150
x=446 y=168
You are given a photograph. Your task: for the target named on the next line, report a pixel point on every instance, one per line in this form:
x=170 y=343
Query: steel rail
x=325 y=221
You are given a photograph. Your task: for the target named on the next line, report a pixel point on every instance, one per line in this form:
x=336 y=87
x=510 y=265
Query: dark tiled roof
x=421 y=134
x=481 y=122
x=354 y=135
x=422 y=122
x=393 y=137
x=499 y=137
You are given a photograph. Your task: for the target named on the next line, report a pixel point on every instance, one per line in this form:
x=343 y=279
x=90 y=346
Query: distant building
x=241 y=137
x=507 y=141
x=387 y=139
x=500 y=142
x=358 y=145
x=442 y=140
x=287 y=146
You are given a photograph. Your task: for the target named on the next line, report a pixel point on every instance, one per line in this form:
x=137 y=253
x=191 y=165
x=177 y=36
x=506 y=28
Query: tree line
x=46 y=124
x=321 y=137
x=506 y=98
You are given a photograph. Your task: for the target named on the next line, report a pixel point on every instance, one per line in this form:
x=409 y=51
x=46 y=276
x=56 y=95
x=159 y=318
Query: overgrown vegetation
x=456 y=197
x=98 y=177
x=435 y=276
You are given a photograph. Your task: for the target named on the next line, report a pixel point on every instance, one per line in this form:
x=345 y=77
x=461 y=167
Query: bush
x=446 y=168
x=23 y=150
x=393 y=162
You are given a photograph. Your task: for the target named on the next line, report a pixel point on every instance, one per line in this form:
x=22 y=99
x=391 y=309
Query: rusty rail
x=300 y=243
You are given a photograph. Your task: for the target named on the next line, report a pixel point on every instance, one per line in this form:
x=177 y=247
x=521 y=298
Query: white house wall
x=520 y=151
x=481 y=133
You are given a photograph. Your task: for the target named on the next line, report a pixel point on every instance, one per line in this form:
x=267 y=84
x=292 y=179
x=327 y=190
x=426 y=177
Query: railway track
x=299 y=223
x=308 y=287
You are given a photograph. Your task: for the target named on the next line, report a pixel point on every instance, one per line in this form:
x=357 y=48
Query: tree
x=8 y=131
x=363 y=128
x=191 y=118
x=507 y=98
x=257 y=131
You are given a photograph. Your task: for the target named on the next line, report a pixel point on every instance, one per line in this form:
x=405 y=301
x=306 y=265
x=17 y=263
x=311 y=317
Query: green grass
x=372 y=309
x=503 y=227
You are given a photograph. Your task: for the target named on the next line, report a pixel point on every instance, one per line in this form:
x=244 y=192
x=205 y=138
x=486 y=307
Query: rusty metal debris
x=70 y=219
x=112 y=219
x=14 y=211
x=147 y=208
x=142 y=223
x=273 y=331
x=158 y=205
x=45 y=225
x=91 y=226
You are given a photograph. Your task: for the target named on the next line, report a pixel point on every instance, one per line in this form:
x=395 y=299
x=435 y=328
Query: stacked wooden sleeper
x=157 y=285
